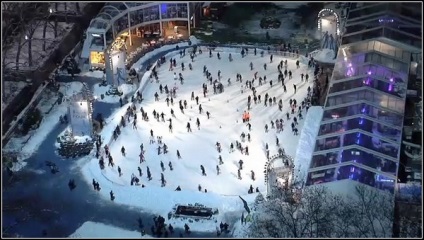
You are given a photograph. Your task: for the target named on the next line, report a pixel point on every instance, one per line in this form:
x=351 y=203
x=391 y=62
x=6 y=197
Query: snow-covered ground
x=306 y=145
x=99 y=230
x=198 y=148
x=34 y=32
x=38 y=54
x=24 y=147
x=324 y=55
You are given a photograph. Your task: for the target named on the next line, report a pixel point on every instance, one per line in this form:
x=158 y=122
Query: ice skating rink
x=198 y=147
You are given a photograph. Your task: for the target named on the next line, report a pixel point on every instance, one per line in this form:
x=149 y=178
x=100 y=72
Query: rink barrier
x=238 y=48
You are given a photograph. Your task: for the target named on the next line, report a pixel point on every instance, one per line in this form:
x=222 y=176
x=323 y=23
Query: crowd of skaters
x=169 y=95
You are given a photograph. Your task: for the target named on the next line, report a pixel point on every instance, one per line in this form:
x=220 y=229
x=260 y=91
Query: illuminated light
x=369 y=72
x=391 y=79
x=345 y=59
x=390 y=87
x=95 y=35
x=26 y=37
x=50 y=10
x=350 y=65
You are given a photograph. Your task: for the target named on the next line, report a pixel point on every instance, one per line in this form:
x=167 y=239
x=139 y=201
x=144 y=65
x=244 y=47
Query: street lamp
x=50 y=10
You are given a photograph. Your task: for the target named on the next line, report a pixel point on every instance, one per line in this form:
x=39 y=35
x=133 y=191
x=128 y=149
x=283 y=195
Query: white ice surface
x=99 y=230
x=306 y=145
x=49 y=122
x=197 y=147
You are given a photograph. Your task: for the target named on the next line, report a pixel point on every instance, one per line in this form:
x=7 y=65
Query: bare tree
x=317 y=205
x=294 y=217
x=30 y=30
x=319 y=213
x=373 y=212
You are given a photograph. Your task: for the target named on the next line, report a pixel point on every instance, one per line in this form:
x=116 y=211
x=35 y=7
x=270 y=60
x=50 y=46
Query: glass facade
x=361 y=129
x=115 y=15
x=174 y=10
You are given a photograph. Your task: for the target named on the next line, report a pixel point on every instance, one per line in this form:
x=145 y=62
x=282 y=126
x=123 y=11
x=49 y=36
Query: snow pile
x=325 y=55
x=78 y=139
x=225 y=126
x=194 y=40
x=94 y=74
x=99 y=230
x=27 y=145
x=307 y=142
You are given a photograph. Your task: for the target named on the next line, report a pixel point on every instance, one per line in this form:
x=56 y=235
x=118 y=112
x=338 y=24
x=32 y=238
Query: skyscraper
x=361 y=129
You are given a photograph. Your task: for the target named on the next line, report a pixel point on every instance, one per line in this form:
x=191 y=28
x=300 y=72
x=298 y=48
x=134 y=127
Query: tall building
x=360 y=135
